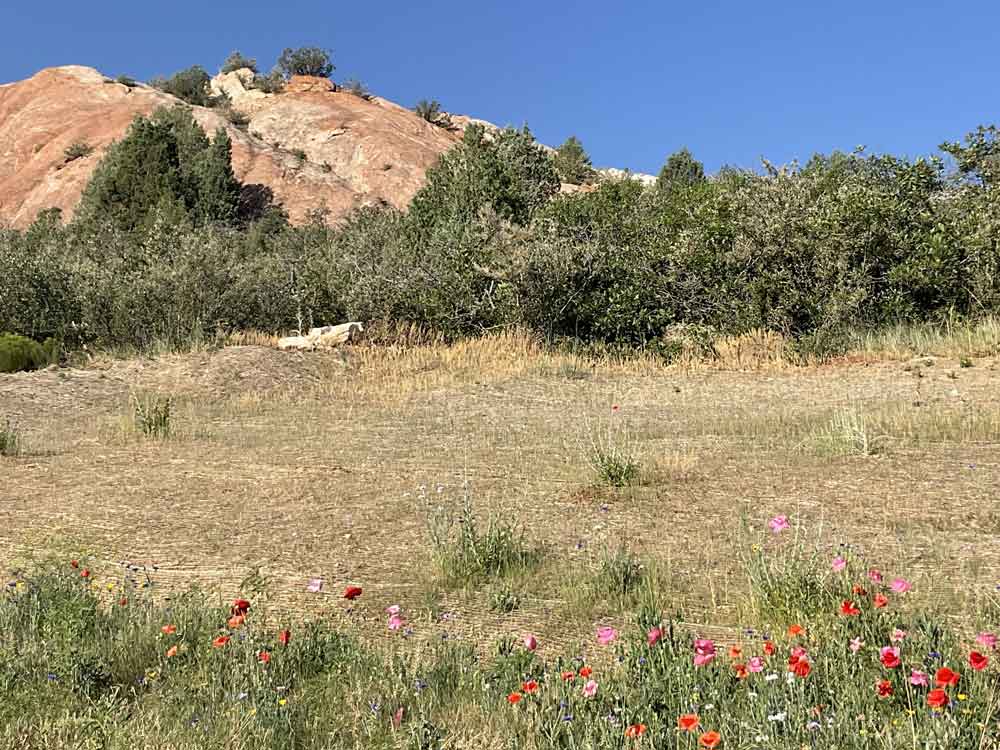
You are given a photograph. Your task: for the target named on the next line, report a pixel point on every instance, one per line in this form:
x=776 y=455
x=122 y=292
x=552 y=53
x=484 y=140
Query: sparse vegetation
x=432 y=113
x=77 y=150
x=19 y=354
x=238 y=61
x=10 y=438
x=152 y=415
x=127 y=81
x=357 y=88
x=305 y=61
x=190 y=85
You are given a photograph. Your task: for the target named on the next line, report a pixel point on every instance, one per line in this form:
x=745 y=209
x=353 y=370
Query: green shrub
x=357 y=88
x=237 y=61
x=18 y=354
x=272 y=83
x=190 y=85
x=305 y=61
x=431 y=112
x=77 y=150
x=125 y=80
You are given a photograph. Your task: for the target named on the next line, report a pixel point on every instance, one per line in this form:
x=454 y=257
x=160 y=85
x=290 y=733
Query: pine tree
x=572 y=162
x=681 y=170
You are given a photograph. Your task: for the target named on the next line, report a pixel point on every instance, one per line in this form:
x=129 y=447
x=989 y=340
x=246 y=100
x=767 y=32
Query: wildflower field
x=492 y=545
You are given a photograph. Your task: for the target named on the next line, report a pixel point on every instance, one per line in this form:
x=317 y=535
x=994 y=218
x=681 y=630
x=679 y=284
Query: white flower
x=778 y=716
x=771 y=677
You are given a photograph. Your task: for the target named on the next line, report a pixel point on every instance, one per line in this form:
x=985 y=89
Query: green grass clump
x=10 y=439
x=465 y=552
x=151 y=415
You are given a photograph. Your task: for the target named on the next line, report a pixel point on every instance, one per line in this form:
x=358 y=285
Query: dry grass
x=323 y=465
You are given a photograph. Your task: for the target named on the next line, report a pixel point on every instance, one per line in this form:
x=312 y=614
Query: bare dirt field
x=327 y=465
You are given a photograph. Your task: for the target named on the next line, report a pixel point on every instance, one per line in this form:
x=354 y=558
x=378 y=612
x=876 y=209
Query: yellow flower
x=962 y=696
x=755 y=548
x=282 y=701
x=111 y=587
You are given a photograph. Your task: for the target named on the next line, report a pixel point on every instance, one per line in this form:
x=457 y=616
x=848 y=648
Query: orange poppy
x=879 y=600
x=848 y=609
x=945 y=677
x=937 y=698
x=530 y=687
x=264 y=657
x=221 y=641
x=710 y=739
x=567 y=676
x=586 y=671
x=794 y=630
x=635 y=730
x=168 y=629
x=74 y=564
x=741 y=671
x=688 y=722
x=235 y=621
x=85 y=573
x=123 y=602
x=735 y=652
x=172 y=651
x=514 y=698
x=802 y=668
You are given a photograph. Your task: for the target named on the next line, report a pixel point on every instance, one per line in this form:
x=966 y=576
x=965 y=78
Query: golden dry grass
x=324 y=465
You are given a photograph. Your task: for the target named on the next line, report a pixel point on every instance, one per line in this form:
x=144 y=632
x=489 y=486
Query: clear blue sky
x=731 y=80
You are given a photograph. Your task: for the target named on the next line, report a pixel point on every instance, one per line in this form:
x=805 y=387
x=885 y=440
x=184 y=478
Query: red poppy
x=567 y=676
x=741 y=671
x=848 y=609
x=74 y=564
x=735 y=652
x=768 y=648
x=85 y=573
x=977 y=661
x=264 y=657
x=284 y=637
x=884 y=688
x=168 y=629
x=890 y=658
x=797 y=653
x=235 y=621
x=240 y=607
x=794 y=630
x=802 y=668
x=586 y=671
x=688 y=722
x=635 y=730
x=352 y=592
x=530 y=687
x=221 y=641
x=514 y=698
x=710 y=740
x=880 y=600
x=937 y=698
x=944 y=677
x=172 y=651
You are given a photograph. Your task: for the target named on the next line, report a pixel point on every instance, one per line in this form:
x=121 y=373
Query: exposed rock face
x=357 y=151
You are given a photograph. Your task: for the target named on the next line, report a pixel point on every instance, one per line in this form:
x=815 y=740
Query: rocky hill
x=357 y=150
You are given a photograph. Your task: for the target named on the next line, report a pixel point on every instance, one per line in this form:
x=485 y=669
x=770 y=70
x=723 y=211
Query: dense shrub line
x=845 y=242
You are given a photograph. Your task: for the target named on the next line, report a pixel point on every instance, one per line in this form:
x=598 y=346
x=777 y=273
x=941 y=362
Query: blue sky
x=732 y=81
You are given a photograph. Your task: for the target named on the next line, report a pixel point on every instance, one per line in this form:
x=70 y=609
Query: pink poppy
x=838 y=564
x=395 y=622
x=889 y=656
x=900 y=585
x=918 y=678
x=856 y=645
x=394 y=609
x=875 y=576
x=606 y=635
x=989 y=640
x=779 y=524
x=315 y=585
x=897 y=635
x=590 y=689
x=530 y=642
x=653 y=636
x=756 y=664
x=704 y=651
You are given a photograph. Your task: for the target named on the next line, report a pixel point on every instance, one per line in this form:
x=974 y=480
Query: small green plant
x=357 y=88
x=620 y=573
x=127 y=81
x=10 y=439
x=965 y=361
x=151 y=415
x=849 y=433
x=432 y=113
x=238 y=61
x=272 y=83
x=464 y=553
x=77 y=150
x=240 y=119
x=504 y=600
x=611 y=454
x=300 y=155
